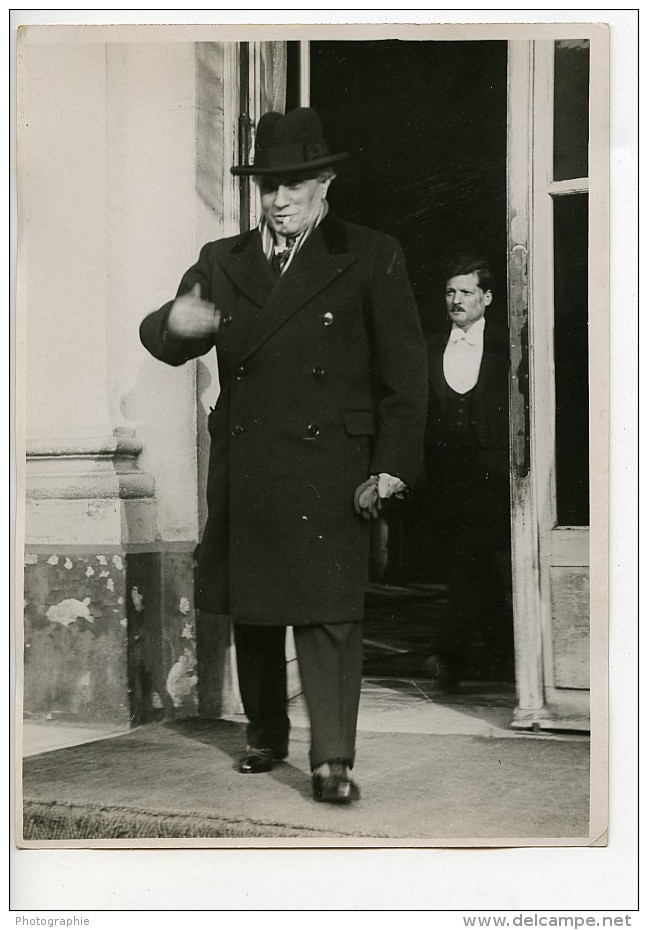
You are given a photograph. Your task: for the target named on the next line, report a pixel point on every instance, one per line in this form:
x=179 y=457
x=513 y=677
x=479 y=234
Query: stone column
x=107 y=210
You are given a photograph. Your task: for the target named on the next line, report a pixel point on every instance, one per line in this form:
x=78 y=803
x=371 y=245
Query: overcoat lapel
x=312 y=270
x=249 y=269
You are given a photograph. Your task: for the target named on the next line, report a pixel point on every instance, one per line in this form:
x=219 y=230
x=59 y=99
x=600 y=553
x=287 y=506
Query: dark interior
x=425 y=124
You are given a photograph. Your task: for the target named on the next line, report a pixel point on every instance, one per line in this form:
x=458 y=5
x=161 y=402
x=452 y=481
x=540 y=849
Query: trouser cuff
x=316 y=761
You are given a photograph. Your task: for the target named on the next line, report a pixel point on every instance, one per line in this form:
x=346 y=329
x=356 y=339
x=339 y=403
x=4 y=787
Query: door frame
x=539 y=545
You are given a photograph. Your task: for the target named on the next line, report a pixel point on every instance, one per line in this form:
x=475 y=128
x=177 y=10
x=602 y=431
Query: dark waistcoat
x=459 y=429
x=466 y=439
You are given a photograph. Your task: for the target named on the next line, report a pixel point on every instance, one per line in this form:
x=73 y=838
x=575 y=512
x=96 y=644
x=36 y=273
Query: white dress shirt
x=463 y=356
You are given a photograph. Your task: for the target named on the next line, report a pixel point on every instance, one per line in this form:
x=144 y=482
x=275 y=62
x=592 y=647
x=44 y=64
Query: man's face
x=465 y=301
x=291 y=204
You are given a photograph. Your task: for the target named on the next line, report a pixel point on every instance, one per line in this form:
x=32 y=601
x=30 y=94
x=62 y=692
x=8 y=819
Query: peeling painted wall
x=161 y=635
x=75 y=638
x=109 y=638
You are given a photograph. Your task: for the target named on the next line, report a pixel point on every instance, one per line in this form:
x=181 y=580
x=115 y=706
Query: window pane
x=571 y=360
x=571 y=108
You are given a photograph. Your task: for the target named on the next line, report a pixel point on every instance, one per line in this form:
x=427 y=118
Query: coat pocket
x=359 y=423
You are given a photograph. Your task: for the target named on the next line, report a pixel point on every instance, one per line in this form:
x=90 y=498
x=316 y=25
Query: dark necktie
x=280 y=259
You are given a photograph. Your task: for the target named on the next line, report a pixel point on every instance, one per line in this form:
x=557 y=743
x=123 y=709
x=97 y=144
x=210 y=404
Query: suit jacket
x=479 y=487
x=323 y=378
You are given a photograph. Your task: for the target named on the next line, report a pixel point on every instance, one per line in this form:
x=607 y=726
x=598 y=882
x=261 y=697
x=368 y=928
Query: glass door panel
x=570 y=215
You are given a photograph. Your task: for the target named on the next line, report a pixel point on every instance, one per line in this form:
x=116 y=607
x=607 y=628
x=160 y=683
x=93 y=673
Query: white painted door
x=558 y=425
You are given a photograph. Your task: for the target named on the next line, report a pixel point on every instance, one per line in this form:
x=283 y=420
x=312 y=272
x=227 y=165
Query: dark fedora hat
x=290 y=143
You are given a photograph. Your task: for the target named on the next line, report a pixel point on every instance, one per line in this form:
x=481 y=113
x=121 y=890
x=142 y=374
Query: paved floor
x=45 y=736
x=406 y=705
x=388 y=705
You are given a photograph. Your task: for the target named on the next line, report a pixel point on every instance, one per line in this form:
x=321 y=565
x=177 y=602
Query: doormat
x=53 y=820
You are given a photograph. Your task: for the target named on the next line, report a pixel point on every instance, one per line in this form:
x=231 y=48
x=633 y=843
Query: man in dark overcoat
x=323 y=374
x=467 y=467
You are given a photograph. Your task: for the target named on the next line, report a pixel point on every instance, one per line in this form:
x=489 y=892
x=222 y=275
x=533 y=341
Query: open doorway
x=426 y=125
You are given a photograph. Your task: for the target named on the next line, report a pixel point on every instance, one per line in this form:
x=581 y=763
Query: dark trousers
x=330 y=666
x=479 y=597
x=470 y=507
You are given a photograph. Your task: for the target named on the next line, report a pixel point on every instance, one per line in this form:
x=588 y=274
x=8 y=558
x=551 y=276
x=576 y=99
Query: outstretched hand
x=192 y=317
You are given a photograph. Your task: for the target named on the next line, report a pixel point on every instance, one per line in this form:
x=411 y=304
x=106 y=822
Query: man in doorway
x=467 y=470
x=323 y=374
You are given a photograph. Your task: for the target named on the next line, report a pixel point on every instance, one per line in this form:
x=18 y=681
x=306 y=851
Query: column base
x=109 y=634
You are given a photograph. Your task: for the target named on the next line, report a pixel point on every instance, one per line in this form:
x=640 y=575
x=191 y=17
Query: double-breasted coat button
x=313 y=430
x=328 y=318
x=226 y=319
x=237 y=430
x=318 y=372
x=240 y=372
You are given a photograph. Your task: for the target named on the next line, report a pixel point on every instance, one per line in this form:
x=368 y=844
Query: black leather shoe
x=335 y=789
x=256 y=761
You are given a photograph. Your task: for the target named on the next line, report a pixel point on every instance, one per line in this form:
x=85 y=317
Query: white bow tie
x=458 y=335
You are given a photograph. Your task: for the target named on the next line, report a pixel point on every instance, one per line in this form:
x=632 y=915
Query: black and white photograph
x=312 y=339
